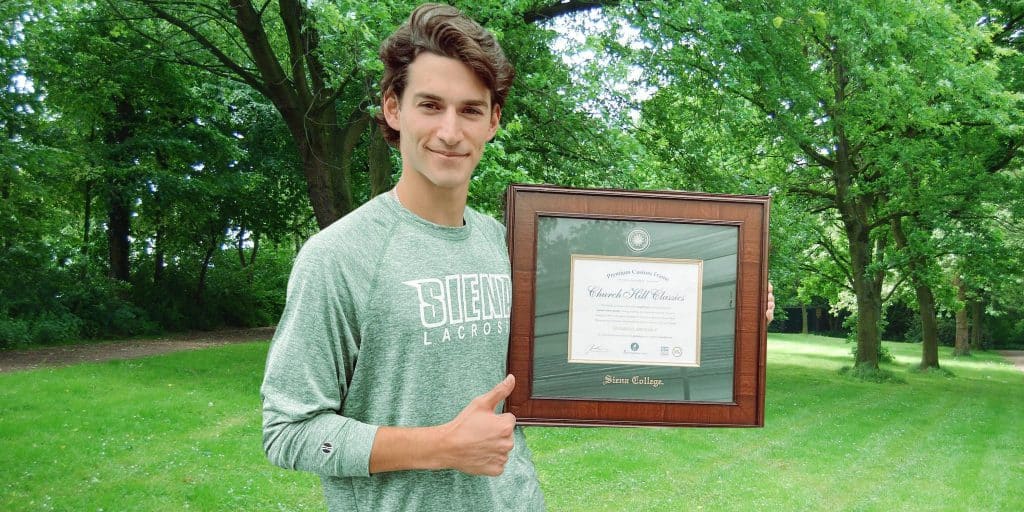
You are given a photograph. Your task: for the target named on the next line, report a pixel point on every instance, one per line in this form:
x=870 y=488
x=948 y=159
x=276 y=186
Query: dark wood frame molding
x=526 y=203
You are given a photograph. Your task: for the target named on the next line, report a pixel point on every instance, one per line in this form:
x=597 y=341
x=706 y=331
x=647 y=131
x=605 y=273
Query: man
x=387 y=367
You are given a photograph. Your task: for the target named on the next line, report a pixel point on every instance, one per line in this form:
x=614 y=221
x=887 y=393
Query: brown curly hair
x=443 y=30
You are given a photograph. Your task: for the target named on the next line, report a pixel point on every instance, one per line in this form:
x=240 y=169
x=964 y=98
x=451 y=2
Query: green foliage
x=14 y=331
x=183 y=159
x=53 y=305
x=103 y=311
x=236 y=295
x=105 y=104
x=876 y=112
x=1006 y=331
x=868 y=374
x=946 y=326
x=884 y=355
x=57 y=305
x=46 y=327
x=555 y=127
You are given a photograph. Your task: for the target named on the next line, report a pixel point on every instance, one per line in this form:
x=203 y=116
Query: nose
x=449 y=131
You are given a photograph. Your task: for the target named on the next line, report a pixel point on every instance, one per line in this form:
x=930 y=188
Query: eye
x=429 y=105
x=473 y=111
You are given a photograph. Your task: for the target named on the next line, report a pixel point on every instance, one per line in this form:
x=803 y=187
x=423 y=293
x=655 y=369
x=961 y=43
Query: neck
x=441 y=206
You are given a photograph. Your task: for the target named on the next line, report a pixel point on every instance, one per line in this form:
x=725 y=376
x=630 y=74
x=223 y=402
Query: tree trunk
x=868 y=289
x=867 y=284
x=321 y=178
x=380 y=162
x=247 y=264
x=251 y=275
x=342 y=144
x=5 y=185
x=158 y=255
x=977 y=324
x=929 y=327
x=925 y=299
x=119 y=213
x=204 y=271
x=119 y=216
x=855 y=208
x=960 y=346
x=869 y=314
x=240 y=246
x=305 y=101
x=803 y=315
x=5 y=194
x=86 y=226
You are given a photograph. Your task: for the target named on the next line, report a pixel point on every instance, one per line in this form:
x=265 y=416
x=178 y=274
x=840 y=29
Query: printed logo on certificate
x=633 y=310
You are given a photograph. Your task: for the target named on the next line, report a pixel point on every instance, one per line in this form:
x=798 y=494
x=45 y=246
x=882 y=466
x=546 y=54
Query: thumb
x=500 y=392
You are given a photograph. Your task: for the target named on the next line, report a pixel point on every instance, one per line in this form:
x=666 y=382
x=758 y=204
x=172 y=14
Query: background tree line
x=163 y=160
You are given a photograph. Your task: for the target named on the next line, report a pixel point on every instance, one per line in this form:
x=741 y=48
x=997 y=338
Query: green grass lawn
x=175 y=432
x=182 y=431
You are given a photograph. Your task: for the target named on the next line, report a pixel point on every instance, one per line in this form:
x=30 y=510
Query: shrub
x=14 y=332
x=55 y=327
x=884 y=354
x=877 y=375
x=103 y=309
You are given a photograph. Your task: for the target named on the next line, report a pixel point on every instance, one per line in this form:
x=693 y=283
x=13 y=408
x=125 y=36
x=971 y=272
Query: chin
x=453 y=184
x=450 y=179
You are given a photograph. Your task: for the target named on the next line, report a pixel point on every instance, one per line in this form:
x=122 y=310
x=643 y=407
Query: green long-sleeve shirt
x=391 y=320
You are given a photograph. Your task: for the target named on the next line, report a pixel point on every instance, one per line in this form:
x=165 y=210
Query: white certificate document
x=637 y=311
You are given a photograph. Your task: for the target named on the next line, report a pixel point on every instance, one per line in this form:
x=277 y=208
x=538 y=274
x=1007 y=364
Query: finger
x=492 y=398
x=496 y=465
x=508 y=425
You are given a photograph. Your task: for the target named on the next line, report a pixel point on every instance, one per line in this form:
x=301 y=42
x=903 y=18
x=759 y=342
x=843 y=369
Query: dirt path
x=1015 y=356
x=28 y=359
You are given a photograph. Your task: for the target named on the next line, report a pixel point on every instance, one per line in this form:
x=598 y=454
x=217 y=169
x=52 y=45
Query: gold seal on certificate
x=634 y=310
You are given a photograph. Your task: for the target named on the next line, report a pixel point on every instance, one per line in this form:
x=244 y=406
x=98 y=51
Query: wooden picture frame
x=637 y=308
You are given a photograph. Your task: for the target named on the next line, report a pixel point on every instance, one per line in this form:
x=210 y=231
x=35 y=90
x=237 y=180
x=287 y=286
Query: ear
x=391 y=110
x=495 y=121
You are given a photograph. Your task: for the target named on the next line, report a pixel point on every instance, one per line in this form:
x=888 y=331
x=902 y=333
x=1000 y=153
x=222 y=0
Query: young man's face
x=445 y=118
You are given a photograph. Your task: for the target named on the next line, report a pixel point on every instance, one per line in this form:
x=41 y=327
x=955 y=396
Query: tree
x=322 y=87
x=828 y=82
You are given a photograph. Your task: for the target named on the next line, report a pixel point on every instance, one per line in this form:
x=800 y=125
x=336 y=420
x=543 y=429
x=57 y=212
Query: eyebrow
x=434 y=97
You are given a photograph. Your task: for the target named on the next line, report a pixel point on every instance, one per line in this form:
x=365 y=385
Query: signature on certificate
x=597 y=349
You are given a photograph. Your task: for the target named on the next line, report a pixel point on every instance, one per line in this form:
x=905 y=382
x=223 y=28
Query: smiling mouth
x=448 y=154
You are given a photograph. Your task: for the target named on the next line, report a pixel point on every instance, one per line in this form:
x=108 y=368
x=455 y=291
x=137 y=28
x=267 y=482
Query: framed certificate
x=637 y=308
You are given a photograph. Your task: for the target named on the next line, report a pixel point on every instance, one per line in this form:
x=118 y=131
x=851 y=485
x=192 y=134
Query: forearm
x=404 y=448
x=326 y=444
x=476 y=442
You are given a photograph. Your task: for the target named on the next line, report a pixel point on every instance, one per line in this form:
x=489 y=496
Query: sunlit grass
x=174 y=432
x=182 y=432
x=939 y=441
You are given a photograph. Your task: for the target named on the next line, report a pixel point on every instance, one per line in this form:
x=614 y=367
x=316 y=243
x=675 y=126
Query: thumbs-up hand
x=479 y=440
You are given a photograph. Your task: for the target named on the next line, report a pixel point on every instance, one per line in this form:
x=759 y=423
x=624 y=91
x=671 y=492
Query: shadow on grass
x=832 y=355
x=939 y=372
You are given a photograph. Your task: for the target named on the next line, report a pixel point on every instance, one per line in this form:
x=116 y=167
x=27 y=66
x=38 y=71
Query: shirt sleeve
x=308 y=367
